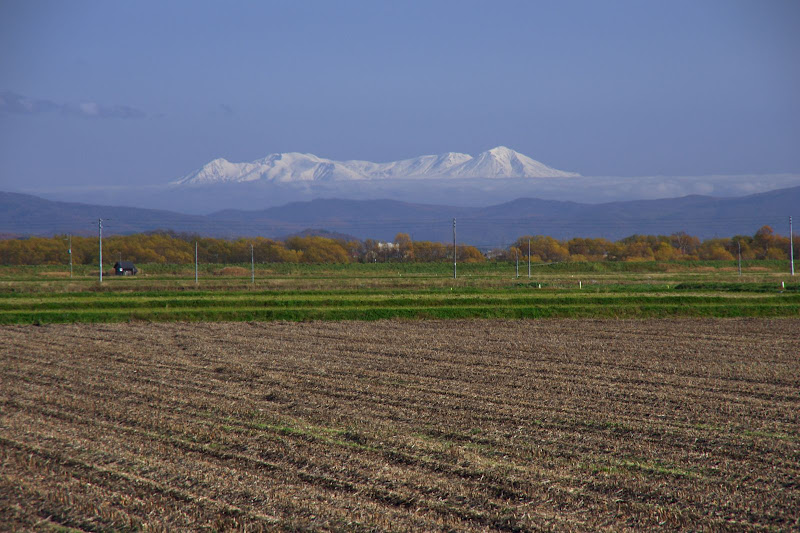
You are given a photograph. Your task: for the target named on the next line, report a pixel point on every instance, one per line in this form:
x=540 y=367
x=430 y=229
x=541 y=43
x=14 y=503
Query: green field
x=379 y=291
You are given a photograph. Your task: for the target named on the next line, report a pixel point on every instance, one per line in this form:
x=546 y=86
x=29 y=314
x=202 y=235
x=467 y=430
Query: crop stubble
x=427 y=425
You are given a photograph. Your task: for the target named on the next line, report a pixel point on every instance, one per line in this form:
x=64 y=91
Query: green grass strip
x=416 y=312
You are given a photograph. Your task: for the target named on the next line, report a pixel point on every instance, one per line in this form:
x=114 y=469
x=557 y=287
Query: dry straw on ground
x=232 y=271
x=396 y=425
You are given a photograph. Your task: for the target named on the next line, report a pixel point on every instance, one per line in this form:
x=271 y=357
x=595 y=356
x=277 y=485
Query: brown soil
x=397 y=425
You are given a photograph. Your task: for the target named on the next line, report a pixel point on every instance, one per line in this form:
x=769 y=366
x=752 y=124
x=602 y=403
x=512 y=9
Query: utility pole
x=100 y=233
x=195 y=262
x=516 y=255
x=791 y=245
x=739 y=243
x=69 y=251
x=529 y=259
x=252 y=266
x=454 y=249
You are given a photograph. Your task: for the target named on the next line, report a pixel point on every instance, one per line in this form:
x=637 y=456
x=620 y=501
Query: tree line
x=171 y=247
x=764 y=244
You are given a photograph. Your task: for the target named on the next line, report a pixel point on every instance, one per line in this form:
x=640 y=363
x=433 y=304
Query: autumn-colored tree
x=370 y=251
x=743 y=243
x=546 y=249
x=665 y=252
x=269 y=251
x=638 y=251
x=469 y=254
x=762 y=241
x=405 y=247
x=171 y=247
x=776 y=253
x=427 y=251
x=715 y=250
x=318 y=250
x=780 y=243
x=354 y=250
x=685 y=244
x=514 y=254
x=589 y=249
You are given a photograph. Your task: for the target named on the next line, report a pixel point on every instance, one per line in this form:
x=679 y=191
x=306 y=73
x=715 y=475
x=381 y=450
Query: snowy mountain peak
x=502 y=151
x=503 y=162
x=219 y=170
x=499 y=162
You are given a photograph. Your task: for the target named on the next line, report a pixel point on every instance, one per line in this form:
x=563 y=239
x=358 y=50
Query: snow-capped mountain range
x=500 y=162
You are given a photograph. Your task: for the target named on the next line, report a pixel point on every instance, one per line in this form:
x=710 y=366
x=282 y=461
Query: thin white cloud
x=14 y=103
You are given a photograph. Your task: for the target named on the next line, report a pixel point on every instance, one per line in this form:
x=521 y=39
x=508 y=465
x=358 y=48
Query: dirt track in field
x=402 y=425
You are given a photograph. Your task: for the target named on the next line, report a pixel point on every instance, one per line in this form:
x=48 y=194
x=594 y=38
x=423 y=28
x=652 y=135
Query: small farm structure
x=125 y=268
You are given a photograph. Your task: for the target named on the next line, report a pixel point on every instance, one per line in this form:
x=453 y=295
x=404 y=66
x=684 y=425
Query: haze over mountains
x=499 y=162
x=486 y=227
x=286 y=193
x=492 y=177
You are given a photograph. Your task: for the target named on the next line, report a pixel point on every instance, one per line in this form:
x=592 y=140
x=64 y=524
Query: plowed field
x=402 y=425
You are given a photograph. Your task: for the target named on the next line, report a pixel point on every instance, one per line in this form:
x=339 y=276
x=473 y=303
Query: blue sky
x=114 y=92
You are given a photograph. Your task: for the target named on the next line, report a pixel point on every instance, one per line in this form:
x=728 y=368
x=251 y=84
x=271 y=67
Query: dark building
x=125 y=268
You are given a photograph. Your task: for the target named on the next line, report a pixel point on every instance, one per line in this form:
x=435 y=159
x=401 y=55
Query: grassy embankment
x=378 y=291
